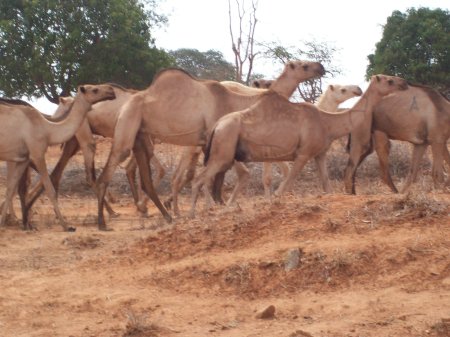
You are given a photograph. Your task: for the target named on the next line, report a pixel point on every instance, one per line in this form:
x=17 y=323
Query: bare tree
x=243 y=42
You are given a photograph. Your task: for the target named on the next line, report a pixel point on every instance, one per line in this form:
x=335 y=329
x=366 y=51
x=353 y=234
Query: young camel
x=275 y=129
x=29 y=135
x=419 y=115
x=329 y=101
x=179 y=109
x=100 y=120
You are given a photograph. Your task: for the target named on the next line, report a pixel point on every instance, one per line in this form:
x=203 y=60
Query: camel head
x=303 y=70
x=262 y=84
x=341 y=93
x=388 y=84
x=96 y=93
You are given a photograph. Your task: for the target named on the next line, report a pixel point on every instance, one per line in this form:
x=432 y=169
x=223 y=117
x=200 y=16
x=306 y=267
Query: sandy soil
x=375 y=264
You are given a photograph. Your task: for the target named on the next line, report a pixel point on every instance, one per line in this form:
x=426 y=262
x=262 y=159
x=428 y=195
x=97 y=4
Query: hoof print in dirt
x=268 y=313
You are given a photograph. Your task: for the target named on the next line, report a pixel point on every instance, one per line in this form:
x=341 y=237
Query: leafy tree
x=48 y=47
x=415 y=46
x=322 y=52
x=209 y=65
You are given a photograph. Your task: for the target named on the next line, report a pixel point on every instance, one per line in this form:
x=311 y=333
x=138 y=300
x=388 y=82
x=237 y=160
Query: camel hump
x=12 y=101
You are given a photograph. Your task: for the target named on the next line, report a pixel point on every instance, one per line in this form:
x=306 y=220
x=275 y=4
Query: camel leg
x=139 y=199
x=382 y=147
x=437 y=170
x=204 y=179
x=298 y=165
x=417 y=155
x=243 y=179
x=22 y=191
x=188 y=162
x=143 y=151
x=267 y=179
x=14 y=173
x=358 y=152
x=159 y=170
x=39 y=161
x=321 y=163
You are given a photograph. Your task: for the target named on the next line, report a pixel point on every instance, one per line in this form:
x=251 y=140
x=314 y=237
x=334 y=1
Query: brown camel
x=100 y=120
x=180 y=109
x=28 y=138
x=329 y=101
x=275 y=129
x=419 y=115
x=185 y=170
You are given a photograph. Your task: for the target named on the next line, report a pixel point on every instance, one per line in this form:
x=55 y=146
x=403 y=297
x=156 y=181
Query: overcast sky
x=352 y=26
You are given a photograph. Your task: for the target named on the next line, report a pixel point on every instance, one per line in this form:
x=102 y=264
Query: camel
x=180 y=109
x=275 y=129
x=100 y=120
x=185 y=170
x=419 y=115
x=62 y=111
x=27 y=137
x=329 y=101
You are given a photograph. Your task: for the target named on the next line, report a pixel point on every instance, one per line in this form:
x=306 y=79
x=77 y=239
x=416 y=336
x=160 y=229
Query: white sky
x=352 y=26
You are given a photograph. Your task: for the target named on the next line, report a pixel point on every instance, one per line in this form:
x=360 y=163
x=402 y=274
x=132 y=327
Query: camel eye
x=95 y=91
x=305 y=67
x=391 y=82
x=343 y=91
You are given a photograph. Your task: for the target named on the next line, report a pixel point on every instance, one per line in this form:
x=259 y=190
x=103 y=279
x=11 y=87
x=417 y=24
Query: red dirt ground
x=375 y=264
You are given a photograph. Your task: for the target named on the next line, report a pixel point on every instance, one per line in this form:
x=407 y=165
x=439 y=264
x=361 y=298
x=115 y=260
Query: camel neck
x=62 y=131
x=326 y=104
x=358 y=117
x=285 y=85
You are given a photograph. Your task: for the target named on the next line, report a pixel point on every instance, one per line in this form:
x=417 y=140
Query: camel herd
x=231 y=123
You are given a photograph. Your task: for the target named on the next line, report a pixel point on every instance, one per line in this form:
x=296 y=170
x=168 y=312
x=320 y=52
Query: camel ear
x=292 y=65
x=378 y=78
x=82 y=89
x=62 y=100
x=331 y=87
x=256 y=84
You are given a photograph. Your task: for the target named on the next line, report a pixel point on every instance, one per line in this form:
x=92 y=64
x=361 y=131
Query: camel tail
x=207 y=149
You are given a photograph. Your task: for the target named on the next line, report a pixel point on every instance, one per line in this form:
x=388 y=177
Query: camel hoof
x=70 y=229
x=105 y=229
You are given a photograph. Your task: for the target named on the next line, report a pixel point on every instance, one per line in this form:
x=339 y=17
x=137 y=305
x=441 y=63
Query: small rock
x=267 y=313
x=292 y=259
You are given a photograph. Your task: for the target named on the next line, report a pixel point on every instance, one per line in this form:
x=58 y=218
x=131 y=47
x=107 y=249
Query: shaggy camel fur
x=100 y=120
x=28 y=138
x=180 y=109
x=62 y=110
x=275 y=129
x=419 y=115
x=329 y=101
x=185 y=170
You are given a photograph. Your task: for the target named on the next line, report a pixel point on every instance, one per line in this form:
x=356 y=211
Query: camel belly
x=251 y=152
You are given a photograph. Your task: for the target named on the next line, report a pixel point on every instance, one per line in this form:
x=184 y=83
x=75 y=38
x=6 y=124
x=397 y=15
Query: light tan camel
x=62 y=111
x=100 y=120
x=28 y=136
x=180 y=109
x=419 y=115
x=276 y=129
x=329 y=101
x=185 y=170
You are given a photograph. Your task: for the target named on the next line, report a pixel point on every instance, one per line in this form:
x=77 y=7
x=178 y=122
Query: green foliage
x=415 y=46
x=48 y=47
x=207 y=65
